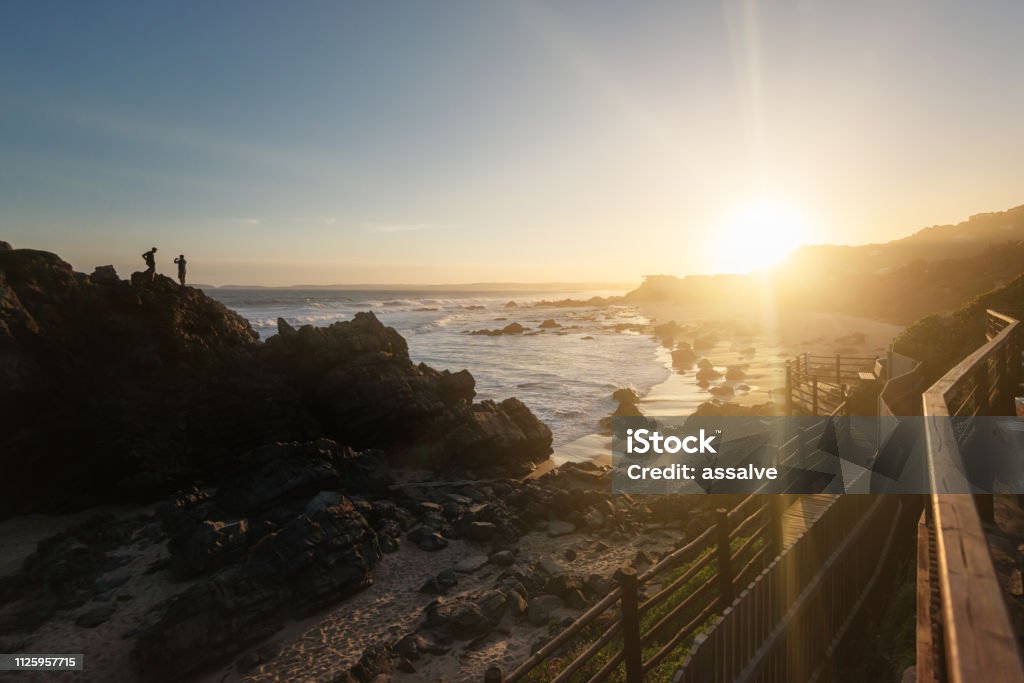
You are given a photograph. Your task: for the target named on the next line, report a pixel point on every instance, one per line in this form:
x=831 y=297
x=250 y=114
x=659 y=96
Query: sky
x=446 y=142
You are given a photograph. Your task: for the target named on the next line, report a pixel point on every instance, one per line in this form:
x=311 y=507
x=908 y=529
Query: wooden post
x=776 y=509
x=981 y=388
x=814 y=396
x=631 y=650
x=801 y=445
x=724 y=557
x=839 y=372
x=493 y=675
x=789 y=388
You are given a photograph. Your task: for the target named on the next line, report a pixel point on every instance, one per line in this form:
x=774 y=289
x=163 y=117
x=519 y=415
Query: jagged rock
x=627 y=395
x=105 y=275
x=284 y=328
x=221 y=393
x=311 y=561
x=208 y=547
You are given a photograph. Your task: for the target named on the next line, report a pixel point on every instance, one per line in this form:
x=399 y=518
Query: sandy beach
x=321 y=646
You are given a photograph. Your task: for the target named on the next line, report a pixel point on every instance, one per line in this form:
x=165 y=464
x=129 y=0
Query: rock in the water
x=284 y=328
x=706 y=374
x=548 y=324
x=735 y=372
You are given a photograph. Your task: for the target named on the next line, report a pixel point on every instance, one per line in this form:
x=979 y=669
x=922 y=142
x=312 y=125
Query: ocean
x=565 y=375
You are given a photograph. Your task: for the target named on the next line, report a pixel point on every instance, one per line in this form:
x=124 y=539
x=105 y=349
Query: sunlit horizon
x=508 y=142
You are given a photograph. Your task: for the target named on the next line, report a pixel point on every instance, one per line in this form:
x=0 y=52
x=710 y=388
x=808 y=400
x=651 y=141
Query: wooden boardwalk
x=802 y=514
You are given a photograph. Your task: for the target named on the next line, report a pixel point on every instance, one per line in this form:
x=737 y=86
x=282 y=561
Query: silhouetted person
x=150 y=258
x=181 y=269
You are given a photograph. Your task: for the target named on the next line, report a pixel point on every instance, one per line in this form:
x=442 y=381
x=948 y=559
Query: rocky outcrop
x=510 y=329
x=119 y=390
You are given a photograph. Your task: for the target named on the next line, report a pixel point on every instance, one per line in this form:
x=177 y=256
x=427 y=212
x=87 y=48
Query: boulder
x=541 y=609
x=284 y=328
x=468 y=614
x=549 y=324
x=312 y=561
x=105 y=275
x=735 y=372
x=557 y=527
x=210 y=546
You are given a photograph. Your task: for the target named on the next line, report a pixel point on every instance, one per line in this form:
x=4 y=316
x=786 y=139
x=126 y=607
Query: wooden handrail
x=979 y=640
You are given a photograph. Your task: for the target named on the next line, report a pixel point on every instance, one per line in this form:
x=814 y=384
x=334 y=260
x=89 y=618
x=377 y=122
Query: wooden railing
x=817 y=385
x=689 y=587
x=964 y=630
x=704 y=578
x=785 y=626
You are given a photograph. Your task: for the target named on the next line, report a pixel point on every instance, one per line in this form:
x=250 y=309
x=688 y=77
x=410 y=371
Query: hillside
x=935 y=269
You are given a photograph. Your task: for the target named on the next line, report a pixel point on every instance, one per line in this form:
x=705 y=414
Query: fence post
x=493 y=675
x=631 y=625
x=801 y=445
x=839 y=373
x=789 y=388
x=981 y=387
x=814 y=396
x=724 y=557
x=776 y=509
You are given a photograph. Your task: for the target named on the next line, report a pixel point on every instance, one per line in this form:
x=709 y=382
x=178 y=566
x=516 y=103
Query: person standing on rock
x=150 y=258
x=181 y=268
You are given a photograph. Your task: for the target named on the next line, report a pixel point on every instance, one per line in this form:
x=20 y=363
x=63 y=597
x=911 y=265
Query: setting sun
x=757 y=236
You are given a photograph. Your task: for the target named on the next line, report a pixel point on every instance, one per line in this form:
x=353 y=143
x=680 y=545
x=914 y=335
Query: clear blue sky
x=481 y=141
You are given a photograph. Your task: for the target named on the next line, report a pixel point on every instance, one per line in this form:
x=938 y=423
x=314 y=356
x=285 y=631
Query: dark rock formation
x=548 y=324
x=118 y=391
x=301 y=557
x=683 y=357
x=510 y=329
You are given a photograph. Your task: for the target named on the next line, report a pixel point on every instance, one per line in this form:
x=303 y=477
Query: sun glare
x=757 y=236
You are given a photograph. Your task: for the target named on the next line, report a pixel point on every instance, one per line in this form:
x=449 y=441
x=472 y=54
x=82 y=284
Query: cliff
x=126 y=390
